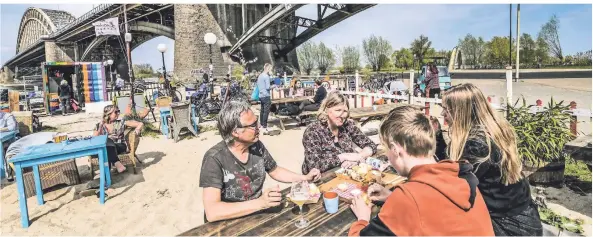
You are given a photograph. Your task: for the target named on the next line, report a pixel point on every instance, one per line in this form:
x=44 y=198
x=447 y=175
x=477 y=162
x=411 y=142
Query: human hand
x=378 y=193
x=312 y=101
x=348 y=164
x=270 y=198
x=313 y=175
x=361 y=209
x=350 y=157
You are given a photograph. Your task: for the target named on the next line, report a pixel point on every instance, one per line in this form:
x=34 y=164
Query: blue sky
x=398 y=23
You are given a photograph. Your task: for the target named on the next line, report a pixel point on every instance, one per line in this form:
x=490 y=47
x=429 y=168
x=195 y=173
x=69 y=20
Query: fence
x=358 y=93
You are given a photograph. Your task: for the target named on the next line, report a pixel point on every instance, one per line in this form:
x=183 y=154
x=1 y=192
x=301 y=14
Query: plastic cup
x=331 y=201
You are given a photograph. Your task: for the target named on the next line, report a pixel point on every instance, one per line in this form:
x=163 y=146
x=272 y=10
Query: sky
x=400 y=24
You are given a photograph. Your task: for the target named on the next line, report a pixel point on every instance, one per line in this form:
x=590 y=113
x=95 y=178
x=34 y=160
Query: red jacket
x=439 y=199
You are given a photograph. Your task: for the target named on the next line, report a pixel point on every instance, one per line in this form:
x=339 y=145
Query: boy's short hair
x=411 y=129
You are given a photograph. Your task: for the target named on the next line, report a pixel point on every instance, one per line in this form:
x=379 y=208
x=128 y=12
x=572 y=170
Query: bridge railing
x=82 y=18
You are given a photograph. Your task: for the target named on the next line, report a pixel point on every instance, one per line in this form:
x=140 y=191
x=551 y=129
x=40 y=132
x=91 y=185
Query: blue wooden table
x=4 y=137
x=37 y=155
x=165 y=112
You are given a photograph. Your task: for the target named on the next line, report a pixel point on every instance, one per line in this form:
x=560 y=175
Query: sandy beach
x=164 y=197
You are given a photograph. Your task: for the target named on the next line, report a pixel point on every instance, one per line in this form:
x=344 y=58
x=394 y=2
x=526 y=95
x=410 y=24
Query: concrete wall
x=57 y=53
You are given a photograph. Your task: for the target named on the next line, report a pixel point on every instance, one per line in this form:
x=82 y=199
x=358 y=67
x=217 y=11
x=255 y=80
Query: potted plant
x=541 y=137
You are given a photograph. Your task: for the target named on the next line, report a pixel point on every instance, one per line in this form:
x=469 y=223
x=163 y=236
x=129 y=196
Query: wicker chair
x=181 y=119
x=51 y=175
x=129 y=158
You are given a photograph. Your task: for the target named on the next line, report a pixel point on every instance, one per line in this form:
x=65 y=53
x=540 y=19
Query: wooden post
x=356 y=89
x=573 y=120
x=509 y=87
x=410 y=86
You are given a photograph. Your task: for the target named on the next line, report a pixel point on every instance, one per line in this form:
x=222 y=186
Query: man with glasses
x=234 y=170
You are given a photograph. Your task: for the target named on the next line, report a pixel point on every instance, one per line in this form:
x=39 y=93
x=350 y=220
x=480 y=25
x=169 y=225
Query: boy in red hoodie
x=439 y=199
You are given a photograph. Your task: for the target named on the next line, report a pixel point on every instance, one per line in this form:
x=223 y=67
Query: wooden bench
x=364 y=115
x=283 y=117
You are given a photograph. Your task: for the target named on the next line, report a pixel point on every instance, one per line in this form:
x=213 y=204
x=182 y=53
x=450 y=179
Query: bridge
x=266 y=33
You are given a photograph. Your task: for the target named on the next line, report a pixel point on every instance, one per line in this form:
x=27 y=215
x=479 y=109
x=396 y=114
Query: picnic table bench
x=358 y=114
x=280 y=221
x=580 y=149
x=291 y=99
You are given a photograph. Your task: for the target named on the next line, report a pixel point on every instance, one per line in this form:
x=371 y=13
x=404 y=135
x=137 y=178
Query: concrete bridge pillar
x=6 y=75
x=192 y=22
x=58 y=53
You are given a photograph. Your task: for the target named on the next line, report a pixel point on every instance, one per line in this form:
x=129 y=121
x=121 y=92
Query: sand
x=164 y=197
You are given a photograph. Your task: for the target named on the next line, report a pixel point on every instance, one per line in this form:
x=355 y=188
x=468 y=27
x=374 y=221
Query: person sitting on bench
x=313 y=104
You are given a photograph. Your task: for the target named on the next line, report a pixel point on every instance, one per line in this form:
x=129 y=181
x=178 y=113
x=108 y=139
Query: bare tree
x=325 y=58
x=376 y=51
x=307 y=55
x=549 y=33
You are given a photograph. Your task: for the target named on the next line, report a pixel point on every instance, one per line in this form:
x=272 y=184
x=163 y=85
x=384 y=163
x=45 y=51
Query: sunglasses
x=253 y=125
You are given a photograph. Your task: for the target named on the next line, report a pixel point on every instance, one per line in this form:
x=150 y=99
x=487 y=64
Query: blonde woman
x=488 y=141
x=114 y=128
x=330 y=141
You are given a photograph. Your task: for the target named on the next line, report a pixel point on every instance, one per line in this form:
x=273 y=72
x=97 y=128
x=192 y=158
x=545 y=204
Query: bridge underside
x=283 y=16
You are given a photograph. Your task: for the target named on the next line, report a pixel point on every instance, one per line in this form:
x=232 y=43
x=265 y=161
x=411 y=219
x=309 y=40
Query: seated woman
x=330 y=141
x=114 y=129
x=314 y=103
x=296 y=87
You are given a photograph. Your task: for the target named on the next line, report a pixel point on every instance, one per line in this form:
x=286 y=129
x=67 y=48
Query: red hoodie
x=439 y=199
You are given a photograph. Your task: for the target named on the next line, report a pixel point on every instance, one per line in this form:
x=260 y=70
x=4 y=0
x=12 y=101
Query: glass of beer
x=299 y=194
x=60 y=137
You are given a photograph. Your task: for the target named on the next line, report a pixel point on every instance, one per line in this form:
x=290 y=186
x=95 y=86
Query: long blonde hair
x=333 y=99
x=469 y=108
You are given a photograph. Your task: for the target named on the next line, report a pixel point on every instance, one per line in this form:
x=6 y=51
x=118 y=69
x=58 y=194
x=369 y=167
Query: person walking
x=64 y=93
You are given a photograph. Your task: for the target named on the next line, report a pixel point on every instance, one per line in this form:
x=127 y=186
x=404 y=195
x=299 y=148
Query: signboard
x=107 y=27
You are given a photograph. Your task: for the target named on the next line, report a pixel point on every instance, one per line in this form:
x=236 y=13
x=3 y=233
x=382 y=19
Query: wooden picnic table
x=290 y=99
x=281 y=221
x=580 y=149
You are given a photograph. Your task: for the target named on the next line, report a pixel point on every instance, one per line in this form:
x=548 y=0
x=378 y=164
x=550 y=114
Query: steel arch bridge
x=276 y=26
x=268 y=28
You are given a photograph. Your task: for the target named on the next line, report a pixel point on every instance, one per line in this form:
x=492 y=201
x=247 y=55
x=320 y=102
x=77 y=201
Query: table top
x=281 y=221
x=290 y=99
x=4 y=136
x=52 y=149
x=382 y=110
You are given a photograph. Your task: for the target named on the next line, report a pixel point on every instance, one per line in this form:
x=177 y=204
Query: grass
x=577 y=176
x=551 y=218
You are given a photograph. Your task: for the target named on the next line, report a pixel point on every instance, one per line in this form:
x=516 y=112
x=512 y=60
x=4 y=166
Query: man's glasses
x=253 y=125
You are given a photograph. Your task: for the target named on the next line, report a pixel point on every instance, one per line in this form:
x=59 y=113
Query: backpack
x=255 y=94
x=289 y=110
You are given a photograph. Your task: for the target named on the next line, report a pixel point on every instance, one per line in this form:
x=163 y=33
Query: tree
x=541 y=51
x=373 y=48
x=549 y=33
x=498 y=51
x=307 y=54
x=473 y=48
x=143 y=70
x=325 y=58
x=420 y=47
x=403 y=58
x=528 y=49
x=350 y=56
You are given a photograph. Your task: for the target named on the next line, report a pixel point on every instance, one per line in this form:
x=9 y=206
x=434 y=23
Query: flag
x=107 y=27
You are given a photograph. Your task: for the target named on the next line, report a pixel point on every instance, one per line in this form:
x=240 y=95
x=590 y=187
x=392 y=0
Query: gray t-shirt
x=237 y=181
